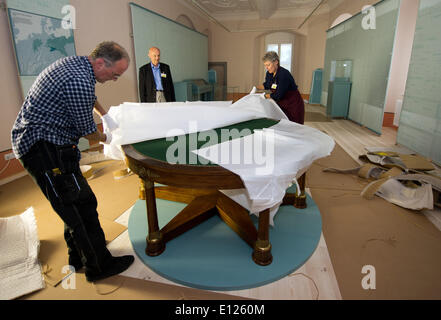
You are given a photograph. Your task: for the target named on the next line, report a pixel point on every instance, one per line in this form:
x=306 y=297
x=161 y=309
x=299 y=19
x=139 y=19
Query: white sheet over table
x=147 y=121
x=293 y=148
x=296 y=146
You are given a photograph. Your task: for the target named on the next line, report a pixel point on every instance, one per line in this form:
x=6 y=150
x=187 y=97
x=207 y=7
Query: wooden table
x=198 y=185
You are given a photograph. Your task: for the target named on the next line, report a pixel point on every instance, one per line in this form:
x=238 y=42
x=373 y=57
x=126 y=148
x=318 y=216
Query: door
x=220 y=87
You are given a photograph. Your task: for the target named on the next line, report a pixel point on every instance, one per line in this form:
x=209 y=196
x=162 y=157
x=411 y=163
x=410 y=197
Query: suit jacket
x=147 y=85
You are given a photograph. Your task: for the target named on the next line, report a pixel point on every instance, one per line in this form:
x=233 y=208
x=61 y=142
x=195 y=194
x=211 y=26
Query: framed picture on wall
x=38 y=41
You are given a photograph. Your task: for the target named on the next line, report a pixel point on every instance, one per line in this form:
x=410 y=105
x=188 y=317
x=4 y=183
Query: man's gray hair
x=271 y=56
x=110 y=51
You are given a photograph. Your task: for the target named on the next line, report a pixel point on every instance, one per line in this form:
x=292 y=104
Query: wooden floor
x=352 y=137
x=316 y=278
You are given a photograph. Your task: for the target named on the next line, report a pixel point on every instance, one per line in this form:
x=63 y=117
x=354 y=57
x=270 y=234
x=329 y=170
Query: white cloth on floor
x=20 y=271
x=412 y=198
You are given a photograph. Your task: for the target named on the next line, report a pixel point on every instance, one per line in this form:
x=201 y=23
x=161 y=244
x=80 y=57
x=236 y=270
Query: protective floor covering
x=212 y=257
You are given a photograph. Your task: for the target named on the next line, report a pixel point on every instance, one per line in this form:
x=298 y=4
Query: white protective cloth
x=257 y=103
x=20 y=271
x=412 y=198
x=295 y=146
x=279 y=155
x=146 y=121
x=108 y=123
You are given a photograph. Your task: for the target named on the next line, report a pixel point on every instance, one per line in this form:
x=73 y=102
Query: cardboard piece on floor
x=19 y=195
x=402 y=245
x=416 y=162
x=115 y=196
x=111 y=229
x=316 y=178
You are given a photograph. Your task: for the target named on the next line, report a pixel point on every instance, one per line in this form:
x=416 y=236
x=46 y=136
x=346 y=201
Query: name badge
x=274 y=86
x=163 y=75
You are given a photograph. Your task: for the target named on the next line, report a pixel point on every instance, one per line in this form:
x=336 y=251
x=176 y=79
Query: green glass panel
x=420 y=120
x=370 y=51
x=184 y=49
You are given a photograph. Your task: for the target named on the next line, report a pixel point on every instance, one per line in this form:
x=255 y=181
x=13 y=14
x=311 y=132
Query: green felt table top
x=163 y=148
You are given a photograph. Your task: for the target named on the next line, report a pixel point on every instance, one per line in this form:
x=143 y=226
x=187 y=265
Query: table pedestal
x=204 y=204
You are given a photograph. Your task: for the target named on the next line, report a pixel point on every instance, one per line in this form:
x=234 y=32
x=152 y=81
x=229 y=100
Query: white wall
x=402 y=52
x=100 y=20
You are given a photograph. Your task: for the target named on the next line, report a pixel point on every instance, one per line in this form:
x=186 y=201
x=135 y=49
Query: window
x=284 y=50
x=286 y=55
x=273 y=47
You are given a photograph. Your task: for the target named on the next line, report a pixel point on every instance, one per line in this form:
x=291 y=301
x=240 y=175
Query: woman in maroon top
x=283 y=88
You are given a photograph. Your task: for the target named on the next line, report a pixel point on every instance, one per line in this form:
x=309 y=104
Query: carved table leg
x=155 y=243
x=262 y=248
x=300 y=197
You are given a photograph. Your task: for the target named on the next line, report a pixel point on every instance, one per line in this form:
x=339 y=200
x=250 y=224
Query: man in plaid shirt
x=57 y=111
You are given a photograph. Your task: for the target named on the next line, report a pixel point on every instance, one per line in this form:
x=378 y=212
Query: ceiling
x=262 y=9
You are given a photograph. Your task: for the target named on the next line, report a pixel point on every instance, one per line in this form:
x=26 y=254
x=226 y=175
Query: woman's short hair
x=271 y=56
x=110 y=51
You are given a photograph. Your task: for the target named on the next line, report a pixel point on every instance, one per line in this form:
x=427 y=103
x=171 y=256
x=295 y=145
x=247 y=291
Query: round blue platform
x=211 y=256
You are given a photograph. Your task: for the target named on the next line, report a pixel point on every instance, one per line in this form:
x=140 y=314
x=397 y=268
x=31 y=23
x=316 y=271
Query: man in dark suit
x=155 y=80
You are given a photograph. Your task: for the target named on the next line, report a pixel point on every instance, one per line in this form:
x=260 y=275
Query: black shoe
x=118 y=265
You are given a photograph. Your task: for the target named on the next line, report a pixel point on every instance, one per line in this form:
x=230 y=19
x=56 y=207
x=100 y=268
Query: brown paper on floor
x=17 y=196
x=402 y=245
x=53 y=250
x=123 y=288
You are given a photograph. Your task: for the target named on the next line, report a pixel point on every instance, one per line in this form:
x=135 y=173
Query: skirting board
x=12 y=178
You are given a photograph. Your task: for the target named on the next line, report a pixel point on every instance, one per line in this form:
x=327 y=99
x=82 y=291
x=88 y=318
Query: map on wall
x=39 y=41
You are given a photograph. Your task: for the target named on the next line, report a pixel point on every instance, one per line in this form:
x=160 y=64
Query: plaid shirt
x=58 y=107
